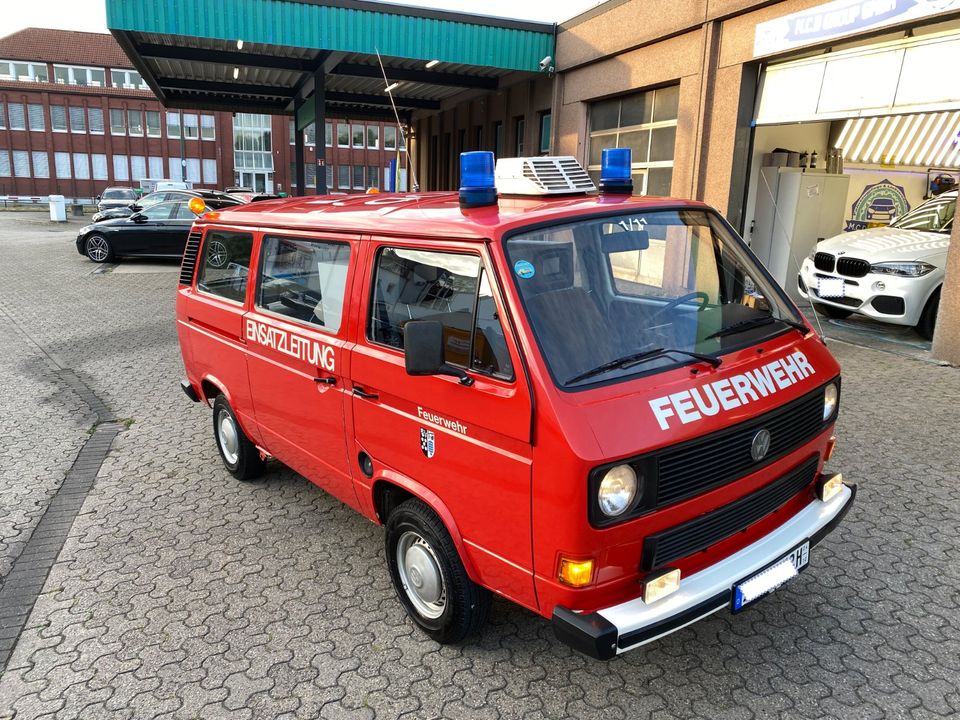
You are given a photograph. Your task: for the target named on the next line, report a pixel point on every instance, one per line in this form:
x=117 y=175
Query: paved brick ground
x=181 y=593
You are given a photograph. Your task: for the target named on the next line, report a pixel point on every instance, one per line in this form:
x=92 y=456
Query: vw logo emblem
x=760 y=445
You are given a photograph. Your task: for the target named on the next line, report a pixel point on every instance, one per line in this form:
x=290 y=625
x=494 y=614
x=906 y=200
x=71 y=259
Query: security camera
x=546 y=63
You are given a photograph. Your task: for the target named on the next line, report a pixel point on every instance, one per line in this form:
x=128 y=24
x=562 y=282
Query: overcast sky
x=90 y=14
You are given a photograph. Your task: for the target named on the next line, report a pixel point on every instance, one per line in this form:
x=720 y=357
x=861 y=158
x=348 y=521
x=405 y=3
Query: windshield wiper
x=756 y=322
x=637 y=358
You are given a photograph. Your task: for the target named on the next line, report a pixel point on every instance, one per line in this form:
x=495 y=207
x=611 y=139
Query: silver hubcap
x=420 y=575
x=97 y=248
x=227 y=434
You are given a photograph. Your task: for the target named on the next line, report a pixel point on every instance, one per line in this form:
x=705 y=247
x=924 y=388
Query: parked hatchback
x=893 y=274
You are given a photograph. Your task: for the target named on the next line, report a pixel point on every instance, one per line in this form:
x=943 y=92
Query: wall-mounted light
x=236 y=73
x=432 y=63
x=391 y=87
x=239 y=44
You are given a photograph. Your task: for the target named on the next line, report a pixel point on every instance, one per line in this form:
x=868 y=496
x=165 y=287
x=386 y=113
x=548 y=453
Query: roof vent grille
x=542 y=176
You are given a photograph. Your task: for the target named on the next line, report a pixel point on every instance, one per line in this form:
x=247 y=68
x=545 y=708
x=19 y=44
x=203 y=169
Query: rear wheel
x=831 y=311
x=239 y=455
x=98 y=249
x=928 y=318
x=429 y=577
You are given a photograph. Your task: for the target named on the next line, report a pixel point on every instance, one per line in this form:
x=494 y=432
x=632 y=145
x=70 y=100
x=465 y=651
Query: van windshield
x=612 y=297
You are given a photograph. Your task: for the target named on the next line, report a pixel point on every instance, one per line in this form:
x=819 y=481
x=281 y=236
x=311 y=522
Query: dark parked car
x=115 y=197
x=213 y=199
x=157 y=232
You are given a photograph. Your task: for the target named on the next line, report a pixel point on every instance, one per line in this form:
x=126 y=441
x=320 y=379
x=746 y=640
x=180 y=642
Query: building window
x=358 y=136
x=18 y=119
x=138 y=167
x=329 y=175
x=498 y=139
x=41 y=164
x=519 y=130
x=129 y=79
x=310 y=175
x=4 y=163
x=328 y=134
x=193 y=170
x=153 y=123
x=343 y=135
x=173 y=125
x=61 y=162
x=95 y=120
x=343 y=177
x=373 y=176
x=81 y=166
x=210 y=172
x=478 y=137
x=208 y=129
x=310 y=135
x=3 y=116
x=156 y=167
x=76 y=75
x=389 y=137
x=135 y=122
x=35 y=116
x=118 y=123
x=99 y=163
x=78 y=120
x=373 y=137
x=358 y=177
x=545 y=126
x=121 y=171
x=58 y=118
x=23 y=71
x=21 y=163
x=645 y=122
x=191 y=126
x=176 y=170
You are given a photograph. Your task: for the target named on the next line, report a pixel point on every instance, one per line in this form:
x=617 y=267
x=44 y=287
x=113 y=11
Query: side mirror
x=138 y=218
x=423 y=347
x=97 y=199
x=133 y=206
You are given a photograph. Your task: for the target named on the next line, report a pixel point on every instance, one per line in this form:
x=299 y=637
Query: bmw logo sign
x=760 y=445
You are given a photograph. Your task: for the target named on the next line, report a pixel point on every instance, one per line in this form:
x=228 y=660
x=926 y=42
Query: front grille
x=189 y=264
x=823 y=261
x=852 y=267
x=700 y=465
x=702 y=532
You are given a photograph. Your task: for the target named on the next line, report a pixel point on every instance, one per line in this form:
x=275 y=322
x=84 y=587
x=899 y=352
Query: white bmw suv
x=893 y=274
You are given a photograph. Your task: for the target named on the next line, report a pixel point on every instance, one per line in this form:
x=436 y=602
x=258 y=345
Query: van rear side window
x=447 y=287
x=304 y=280
x=225 y=264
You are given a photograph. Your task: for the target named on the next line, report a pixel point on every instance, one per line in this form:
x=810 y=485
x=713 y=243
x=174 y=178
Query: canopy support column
x=320 y=123
x=299 y=164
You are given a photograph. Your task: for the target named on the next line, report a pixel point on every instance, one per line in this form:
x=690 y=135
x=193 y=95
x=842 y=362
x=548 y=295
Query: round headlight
x=830 y=396
x=617 y=490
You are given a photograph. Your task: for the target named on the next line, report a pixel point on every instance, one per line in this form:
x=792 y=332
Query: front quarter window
x=610 y=297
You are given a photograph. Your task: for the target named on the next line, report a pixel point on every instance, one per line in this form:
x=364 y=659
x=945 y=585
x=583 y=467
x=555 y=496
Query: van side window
x=304 y=280
x=450 y=288
x=225 y=264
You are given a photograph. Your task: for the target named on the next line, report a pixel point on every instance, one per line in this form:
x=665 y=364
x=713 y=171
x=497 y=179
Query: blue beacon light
x=615 y=178
x=478 y=186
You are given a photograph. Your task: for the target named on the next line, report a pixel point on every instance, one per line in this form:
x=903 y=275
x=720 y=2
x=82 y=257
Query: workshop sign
x=840 y=18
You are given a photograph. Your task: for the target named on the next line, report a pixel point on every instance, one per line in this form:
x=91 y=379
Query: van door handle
x=330 y=380
x=360 y=392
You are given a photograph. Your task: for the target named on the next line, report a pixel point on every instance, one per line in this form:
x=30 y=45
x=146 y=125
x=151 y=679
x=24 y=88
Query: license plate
x=830 y=287
x=765 y=581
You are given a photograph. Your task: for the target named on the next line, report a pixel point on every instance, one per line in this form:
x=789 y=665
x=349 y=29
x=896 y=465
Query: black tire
x=831 y=311
x=928 y=318
x=464 y=605
x=98 y=248
x=240 y=456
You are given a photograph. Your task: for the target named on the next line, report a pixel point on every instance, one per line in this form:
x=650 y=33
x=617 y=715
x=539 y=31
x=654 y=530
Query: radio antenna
x=403 y=136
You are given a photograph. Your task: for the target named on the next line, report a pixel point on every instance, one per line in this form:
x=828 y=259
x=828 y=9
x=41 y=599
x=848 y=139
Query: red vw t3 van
x=599 y=406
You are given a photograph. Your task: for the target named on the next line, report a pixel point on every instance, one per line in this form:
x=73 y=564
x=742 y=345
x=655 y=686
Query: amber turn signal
x=831 y=444
x=575 y=573
x=197 y=205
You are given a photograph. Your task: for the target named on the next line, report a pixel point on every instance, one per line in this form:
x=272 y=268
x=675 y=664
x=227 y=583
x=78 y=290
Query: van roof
x=433 y=214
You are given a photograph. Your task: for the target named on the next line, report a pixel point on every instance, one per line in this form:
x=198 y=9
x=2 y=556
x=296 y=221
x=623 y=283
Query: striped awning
x=922 y=140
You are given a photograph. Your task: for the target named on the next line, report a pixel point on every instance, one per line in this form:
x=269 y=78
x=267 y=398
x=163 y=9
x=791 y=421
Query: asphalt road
x=181 y=593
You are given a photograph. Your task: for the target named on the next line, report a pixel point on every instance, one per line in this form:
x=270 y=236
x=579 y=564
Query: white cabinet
x=795 y=209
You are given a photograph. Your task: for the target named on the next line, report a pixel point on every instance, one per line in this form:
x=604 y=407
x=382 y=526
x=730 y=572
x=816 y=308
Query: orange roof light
x=197 y=206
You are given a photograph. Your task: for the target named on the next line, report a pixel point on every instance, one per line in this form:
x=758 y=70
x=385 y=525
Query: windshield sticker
x=709 y=399
x=524 y=269
x=430 y=417
x=310 y=351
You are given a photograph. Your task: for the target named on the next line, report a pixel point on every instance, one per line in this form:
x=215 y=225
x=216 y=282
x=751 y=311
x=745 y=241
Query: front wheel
x=928 y=318
x=239 y=455
x=429 y=577
x=98 y=249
